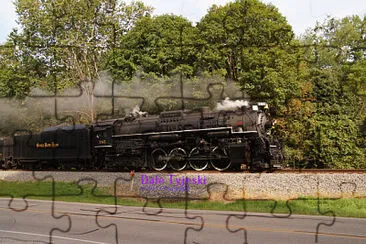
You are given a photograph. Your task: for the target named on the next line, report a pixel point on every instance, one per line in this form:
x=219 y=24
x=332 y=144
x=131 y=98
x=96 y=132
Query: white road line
x=57 y=237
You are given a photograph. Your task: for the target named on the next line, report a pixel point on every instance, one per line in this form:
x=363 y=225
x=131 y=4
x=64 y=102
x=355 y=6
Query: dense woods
x=315 y=83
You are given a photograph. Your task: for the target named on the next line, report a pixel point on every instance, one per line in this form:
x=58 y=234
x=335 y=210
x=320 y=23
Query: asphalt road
x=59 y=222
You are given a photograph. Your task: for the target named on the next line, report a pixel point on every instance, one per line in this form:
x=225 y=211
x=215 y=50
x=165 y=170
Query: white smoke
x=228 y=104
x=136 y=112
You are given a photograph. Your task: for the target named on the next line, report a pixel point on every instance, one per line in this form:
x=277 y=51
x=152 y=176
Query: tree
x=159 y=46
x=251 y=42
x=336 y=71
x=14 y=80
x=65 y=41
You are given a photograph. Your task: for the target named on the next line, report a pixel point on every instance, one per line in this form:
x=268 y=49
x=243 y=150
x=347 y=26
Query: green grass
x=345 y=207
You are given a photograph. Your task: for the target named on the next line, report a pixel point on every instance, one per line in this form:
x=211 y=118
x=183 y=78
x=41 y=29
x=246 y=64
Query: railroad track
x=277 y=171
x=321 y=171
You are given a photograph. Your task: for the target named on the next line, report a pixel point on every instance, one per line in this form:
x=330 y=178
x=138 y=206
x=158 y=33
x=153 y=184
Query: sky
x=301 y=14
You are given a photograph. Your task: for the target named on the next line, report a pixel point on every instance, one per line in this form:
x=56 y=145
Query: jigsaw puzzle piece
x=112 y=95
x=87 y=188
x=23 y=144
x=347 y=189
x=61 y=106
x=124 y=188
x=279 y=220
x=216 y=226
x=22 y=210
x=154 y=199
x=214 y=90
x=113 y=211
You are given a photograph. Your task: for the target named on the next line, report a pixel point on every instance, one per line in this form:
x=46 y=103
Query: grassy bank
x=355 y=207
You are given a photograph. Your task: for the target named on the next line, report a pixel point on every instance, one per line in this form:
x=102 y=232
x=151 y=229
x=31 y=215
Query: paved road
x=59 y=222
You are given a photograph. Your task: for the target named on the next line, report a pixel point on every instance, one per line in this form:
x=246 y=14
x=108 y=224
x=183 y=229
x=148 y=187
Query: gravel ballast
x=214 y=186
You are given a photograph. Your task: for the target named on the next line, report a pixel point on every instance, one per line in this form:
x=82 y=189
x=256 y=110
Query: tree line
x=315 y=83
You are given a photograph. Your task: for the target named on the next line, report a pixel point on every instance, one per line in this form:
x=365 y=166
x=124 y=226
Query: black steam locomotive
x=180 y=139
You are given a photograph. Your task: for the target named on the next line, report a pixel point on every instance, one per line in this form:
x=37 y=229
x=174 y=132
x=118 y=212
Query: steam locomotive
x=177 y=140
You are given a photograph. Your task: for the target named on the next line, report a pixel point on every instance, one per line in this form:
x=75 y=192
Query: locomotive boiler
x=183 y=139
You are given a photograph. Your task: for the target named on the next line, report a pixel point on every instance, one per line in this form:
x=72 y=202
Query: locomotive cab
x=102 y=141
x=102 y=137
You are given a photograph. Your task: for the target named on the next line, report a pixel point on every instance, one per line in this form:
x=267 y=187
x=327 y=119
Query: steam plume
x=136 y=112
x=228 y=104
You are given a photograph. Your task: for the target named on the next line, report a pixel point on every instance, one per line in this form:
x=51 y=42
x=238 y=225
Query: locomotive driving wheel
x=177 y=159
x=220 y=159
x=197 y=160
x=159 y=159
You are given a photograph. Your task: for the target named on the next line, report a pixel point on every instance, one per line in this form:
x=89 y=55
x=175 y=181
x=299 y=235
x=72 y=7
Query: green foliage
x=15 y=80
x=160 y=45
x=250 y=40
x=336 y=74
x=63 y=44
x=70 y=38
x=336 y=132
x=13 y=84
x=356 y=77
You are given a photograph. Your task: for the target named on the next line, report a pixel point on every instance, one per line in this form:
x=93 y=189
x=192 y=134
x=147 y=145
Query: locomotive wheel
x=159 y=161
x=221 y=160
x=195 y=162
x=177 y=159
